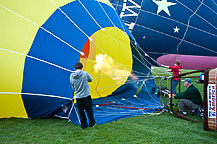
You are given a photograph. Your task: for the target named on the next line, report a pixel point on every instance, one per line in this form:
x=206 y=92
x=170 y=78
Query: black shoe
x=92 y=124
x=84 y=126
x=193 y=112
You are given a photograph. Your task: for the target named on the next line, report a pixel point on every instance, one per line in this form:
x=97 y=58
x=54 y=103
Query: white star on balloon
x=163 y=5
x=176 y=29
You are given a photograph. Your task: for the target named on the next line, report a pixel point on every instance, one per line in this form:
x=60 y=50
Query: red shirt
x=176 y=70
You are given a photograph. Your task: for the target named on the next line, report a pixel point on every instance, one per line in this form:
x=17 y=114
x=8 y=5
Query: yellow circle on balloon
x=108 y=60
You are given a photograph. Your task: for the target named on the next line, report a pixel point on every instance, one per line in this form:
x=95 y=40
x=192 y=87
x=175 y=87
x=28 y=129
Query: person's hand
x=171 y=95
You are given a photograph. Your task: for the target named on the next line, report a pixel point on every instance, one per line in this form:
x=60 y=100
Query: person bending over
x=189 y=100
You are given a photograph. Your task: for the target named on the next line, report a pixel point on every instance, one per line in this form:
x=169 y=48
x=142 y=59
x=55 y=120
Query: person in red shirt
x=176 y=69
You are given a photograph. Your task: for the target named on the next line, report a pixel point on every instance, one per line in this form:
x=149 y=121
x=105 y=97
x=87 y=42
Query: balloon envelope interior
x=42 y=40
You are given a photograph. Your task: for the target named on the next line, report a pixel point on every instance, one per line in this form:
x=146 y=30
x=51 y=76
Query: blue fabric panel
x=196 y=21
x=43 y=78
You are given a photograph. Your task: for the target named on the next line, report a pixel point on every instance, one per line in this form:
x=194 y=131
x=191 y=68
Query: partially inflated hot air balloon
x=169 y=29
x=40 y=41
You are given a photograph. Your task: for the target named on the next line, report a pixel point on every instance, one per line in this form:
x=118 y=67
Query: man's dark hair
x=78 y=65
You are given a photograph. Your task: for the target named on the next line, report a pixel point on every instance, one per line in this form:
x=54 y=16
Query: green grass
x=164 y=128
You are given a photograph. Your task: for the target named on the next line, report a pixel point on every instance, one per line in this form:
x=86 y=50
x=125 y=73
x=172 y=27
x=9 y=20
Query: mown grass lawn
x=164 y=128
x=150 y=129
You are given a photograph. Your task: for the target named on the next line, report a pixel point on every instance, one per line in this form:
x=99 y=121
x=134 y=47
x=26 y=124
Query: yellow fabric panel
x=11 y=81
x=116 y=44
x=17 y=34
x=92 y=52
x=12 y=106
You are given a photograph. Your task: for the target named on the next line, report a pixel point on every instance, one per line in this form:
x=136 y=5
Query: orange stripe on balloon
x=85 y=50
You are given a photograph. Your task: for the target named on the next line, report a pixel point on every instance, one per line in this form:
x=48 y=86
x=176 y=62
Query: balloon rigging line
x=121 y=76
x=42 y=28
x=208 y=7
x=177 y=21
x=116 y=5
x=120 y=21
x=110 y=35
x=111 y=20
x=34 y=94
x=197 y=14
x=107 y=15
x=126 y=113
x=153 y=104
x=162 y=71
x=188 y=25
x=125 y=35
x=150 y=94
x=61 y=117
x=126 y=106
x=142 y=58
x=147 y=56
x=177 y=38
x=90 y=15
x=47 y=32
x=127 y=82
x=128 y=109
x=117 y=14
x=129 y=52
x=137 y=49
x=117 y=61
x=98 y=85
x=143 y=101
x=47 y=62
x=177 y=48
x=39 y=59
x=32 y=57
x=73 y=106
x=214 y=2
x=180 y=23
x=83 y=31
x=71 y=20
x=119 y=111
x=118 y=103
x=44 y=61
x=138 y=12
x=136 y=103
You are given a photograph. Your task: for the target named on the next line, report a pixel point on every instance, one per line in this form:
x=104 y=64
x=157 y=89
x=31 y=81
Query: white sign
x=211 y=100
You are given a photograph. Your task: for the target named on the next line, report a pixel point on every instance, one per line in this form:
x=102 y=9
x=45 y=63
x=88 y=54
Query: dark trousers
x=85 y=104
x=186 y=105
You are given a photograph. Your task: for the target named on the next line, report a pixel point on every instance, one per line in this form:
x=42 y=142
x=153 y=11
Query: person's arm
x=164 y=66
x=186 y=94
x=71 y=81
x=179 y=95
x=89 y=78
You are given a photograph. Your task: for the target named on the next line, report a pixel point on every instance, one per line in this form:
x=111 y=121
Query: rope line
x=194 y=13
